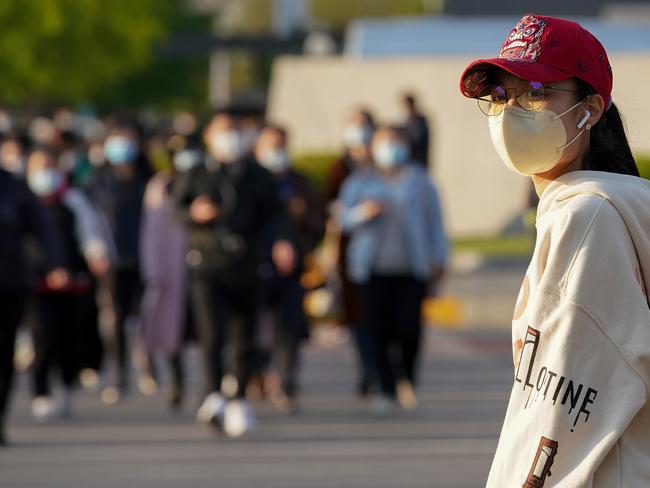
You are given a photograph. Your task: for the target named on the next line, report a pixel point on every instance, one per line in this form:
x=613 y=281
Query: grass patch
x=520 y=245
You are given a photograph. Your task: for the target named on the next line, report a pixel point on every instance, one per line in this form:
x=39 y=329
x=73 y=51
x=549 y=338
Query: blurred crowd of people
x=205 y=234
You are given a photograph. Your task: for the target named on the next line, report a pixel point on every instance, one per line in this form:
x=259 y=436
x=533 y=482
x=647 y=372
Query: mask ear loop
x=580 y=125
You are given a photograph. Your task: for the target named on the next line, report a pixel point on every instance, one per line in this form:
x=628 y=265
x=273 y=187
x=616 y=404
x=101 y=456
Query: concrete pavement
x=448 y=442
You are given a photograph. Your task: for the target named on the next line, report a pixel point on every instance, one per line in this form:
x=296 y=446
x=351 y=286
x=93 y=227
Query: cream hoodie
x=578 y=414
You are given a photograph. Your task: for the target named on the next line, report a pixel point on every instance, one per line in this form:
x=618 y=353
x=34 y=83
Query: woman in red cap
x=578 y=414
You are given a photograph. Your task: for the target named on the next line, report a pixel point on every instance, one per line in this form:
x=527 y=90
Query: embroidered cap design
x=524 y=43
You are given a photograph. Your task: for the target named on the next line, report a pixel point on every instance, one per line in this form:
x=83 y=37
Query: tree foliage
x=72 y=50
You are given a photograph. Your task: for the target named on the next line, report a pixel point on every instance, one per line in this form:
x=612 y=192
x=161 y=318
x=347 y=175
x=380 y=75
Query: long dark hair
x=610 y=151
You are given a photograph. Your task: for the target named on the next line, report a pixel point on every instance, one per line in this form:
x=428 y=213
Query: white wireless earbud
x=584 y=120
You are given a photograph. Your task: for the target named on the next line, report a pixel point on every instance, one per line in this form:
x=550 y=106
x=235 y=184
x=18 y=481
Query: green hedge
x=643 y=163
x=315 y=167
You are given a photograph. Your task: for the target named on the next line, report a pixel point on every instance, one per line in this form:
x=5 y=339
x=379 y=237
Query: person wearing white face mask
x=235 y=219
x=57 y=332
x=283 y=294
x=578 y=409
x=397 y=247
x=357 y=134
x=21 y=214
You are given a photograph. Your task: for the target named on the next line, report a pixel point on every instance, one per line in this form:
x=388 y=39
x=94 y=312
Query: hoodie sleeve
x=579 y=381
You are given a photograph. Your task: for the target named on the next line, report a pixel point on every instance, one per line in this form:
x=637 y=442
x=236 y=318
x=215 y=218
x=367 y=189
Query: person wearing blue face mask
x=120 y=149
x=118 y=189
x=397 y=247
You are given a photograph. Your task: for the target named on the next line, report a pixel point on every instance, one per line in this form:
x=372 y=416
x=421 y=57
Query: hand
x=57 y=279
x=98 y=266
x=284 y=257
x=435 y=280
x=297 y=207
x=203 y=211
x=371 y=209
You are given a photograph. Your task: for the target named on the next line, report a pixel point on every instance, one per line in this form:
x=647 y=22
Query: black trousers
x=55 y=335
x=222 y=313
x=125 y=288
x=394 y=320
x=284 y=297
x=12 y=305
x=90 y=349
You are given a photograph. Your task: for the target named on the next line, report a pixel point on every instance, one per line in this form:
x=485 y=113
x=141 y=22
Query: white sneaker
x=381 y=405
x=212 y=409
x=44 y=409
x=239 y=418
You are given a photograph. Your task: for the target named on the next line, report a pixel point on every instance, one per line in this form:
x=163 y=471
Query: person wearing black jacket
x=235 y=218
x=283 y=295
x=416 y=126
x=118 y=189
x=62 y=314
x=21 y=215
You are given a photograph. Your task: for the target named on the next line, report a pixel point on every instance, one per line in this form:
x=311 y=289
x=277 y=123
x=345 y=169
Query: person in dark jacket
x=118 y=189
x=21 y=215
x=234 y=217
x=61 y=318
x=417 y=130
x=283 y=295
x=12 y=154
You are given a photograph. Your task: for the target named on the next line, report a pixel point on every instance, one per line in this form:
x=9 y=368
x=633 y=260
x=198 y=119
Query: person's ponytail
x=610 y=150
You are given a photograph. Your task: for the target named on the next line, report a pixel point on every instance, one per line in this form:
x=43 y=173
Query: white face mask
x=531 y=142
x=186 y=159
x=227 y=147
x=390 y=154
x=357 y=135
x=275 y=160
x=44 y=182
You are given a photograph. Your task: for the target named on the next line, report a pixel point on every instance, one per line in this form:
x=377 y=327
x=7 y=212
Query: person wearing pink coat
x=163 y=246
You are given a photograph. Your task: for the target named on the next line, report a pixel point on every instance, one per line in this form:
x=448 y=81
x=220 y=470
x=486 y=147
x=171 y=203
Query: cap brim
x=528 y=71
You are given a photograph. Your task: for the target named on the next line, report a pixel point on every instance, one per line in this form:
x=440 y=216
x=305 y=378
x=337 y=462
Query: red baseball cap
x=546 y=49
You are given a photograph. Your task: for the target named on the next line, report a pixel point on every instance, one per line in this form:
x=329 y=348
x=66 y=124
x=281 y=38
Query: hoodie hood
x=630 y=195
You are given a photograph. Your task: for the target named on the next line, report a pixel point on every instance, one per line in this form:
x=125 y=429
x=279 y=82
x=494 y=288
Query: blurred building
x=559 y=8
x=385 y=58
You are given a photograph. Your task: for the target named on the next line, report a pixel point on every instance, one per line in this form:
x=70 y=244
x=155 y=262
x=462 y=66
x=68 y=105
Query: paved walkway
x=333 y=442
